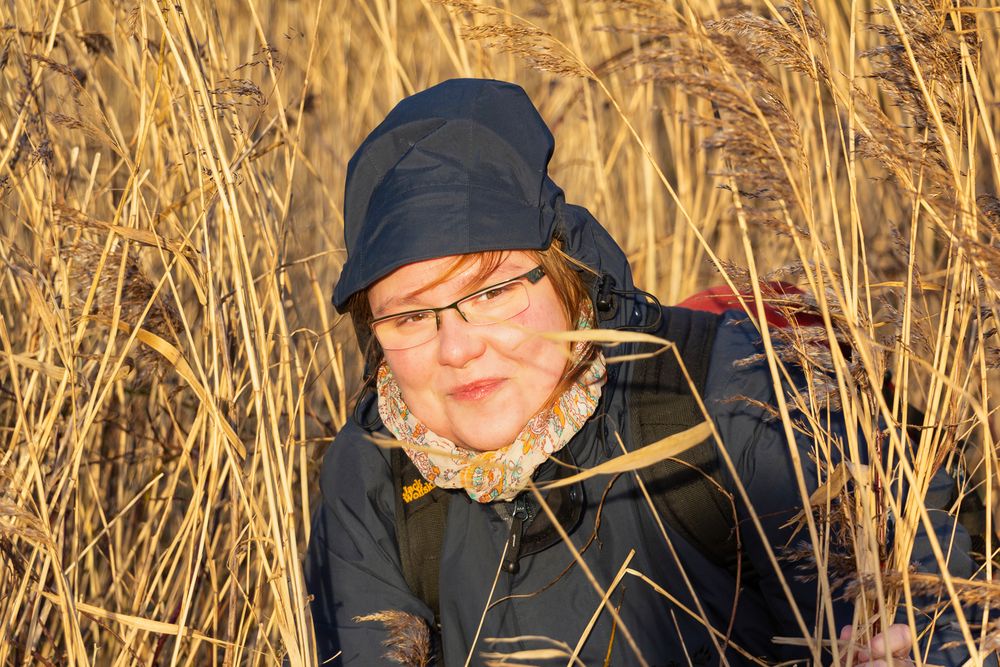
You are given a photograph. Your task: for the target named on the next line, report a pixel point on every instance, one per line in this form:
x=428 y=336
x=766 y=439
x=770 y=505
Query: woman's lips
x=475 y=391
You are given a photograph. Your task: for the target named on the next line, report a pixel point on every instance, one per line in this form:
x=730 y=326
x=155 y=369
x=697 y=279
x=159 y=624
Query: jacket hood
x=458 y=168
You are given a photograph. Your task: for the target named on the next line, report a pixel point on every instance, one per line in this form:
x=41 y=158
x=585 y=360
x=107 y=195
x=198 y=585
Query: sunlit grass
x=170 y=229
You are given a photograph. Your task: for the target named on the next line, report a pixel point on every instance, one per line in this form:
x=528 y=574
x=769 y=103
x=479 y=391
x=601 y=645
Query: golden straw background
x=171 y=179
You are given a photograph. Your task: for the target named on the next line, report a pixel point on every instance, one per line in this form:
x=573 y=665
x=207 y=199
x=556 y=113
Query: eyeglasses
x=489 y=305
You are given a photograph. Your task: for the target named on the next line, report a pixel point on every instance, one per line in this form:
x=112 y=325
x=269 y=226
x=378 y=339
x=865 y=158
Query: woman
x=460 y=250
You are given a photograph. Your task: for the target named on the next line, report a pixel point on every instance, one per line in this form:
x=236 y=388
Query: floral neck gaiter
x=502 y=473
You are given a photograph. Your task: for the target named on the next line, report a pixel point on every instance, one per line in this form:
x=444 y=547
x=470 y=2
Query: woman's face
x=475 y=385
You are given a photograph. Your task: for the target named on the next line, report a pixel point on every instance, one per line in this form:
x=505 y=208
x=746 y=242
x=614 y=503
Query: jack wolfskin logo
x=418 y=489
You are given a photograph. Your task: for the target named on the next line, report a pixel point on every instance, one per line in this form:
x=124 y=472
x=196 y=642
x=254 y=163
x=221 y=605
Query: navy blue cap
x=458 y=168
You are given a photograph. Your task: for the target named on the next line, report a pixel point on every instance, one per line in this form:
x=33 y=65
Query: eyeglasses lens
x=489 y=306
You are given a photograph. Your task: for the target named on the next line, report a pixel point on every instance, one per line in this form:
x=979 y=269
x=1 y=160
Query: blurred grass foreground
x=170 y=192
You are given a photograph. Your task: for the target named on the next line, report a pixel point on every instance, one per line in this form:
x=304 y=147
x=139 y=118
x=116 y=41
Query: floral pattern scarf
x=499 y=474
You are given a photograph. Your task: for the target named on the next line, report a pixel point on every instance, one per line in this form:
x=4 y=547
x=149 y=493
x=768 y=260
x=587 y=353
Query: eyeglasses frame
x=533 y=276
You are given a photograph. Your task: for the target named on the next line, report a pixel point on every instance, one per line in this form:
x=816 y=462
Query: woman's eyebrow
x=393 y=302
x=469 y=288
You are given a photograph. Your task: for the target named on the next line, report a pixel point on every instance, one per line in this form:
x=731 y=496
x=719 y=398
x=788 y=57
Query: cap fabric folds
x=458 y=168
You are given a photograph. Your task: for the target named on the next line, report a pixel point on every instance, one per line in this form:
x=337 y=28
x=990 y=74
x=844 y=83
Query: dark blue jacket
x=416 y=190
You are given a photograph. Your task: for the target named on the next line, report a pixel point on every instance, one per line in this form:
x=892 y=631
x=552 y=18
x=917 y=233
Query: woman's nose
x=458 y=341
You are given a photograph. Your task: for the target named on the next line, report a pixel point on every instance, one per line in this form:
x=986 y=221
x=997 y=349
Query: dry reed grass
x=170 y=184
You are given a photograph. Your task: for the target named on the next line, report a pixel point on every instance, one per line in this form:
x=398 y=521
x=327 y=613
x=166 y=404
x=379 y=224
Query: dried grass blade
x=50 y=370
x=183 y=368
x=823 y=494
x=141 y=236
x=137 y=622
x=527 y=654
x=575 y=657
x=670 y=446
x=605 y=337
x=153 y=240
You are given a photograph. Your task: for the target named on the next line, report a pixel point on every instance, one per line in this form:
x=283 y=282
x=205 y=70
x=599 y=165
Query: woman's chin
x=485 y=426
x=483 y=440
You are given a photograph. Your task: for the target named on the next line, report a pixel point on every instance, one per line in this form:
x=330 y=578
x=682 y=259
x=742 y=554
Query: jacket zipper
x=520 y=515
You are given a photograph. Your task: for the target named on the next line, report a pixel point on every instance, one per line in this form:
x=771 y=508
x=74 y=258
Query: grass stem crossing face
x=478 y=374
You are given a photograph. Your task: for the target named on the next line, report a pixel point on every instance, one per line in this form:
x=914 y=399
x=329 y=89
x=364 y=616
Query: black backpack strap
x=686 y=490
x=421 y=513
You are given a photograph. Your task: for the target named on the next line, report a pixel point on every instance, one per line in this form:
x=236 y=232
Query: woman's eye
x=413 y=319
x=494 y=293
